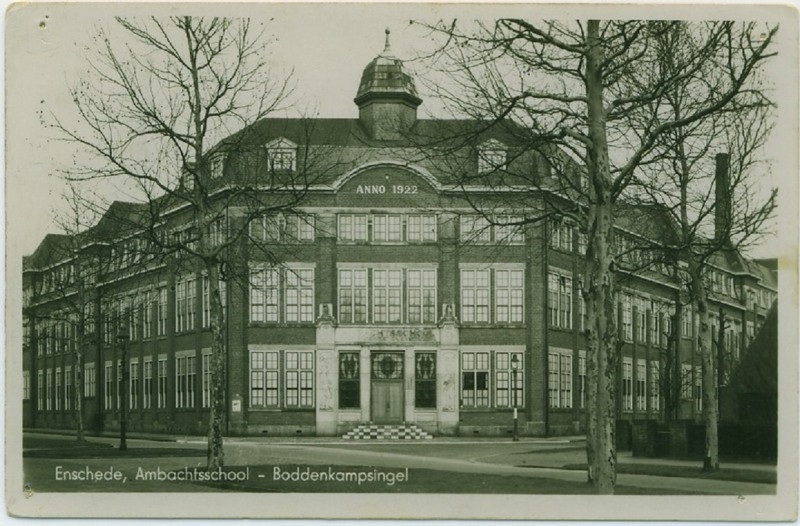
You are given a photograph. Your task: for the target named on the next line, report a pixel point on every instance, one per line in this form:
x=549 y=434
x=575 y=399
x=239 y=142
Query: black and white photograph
x=401 y=261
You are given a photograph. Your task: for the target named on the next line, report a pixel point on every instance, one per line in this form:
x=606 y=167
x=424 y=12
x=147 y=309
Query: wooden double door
x=387 y=374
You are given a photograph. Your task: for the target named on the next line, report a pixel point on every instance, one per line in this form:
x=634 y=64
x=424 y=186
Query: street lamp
x=514 y=367
x=123 y=337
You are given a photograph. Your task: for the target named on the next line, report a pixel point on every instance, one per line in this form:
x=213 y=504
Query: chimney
x=722 y=207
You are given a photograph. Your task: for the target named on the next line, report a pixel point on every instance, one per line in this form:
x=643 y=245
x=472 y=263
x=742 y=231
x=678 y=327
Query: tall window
x=475 y=296
x=475 y=379
x=686 y=381
x=641 y=385
x=147 y=374
x=147 y=313
x=655 y=386
x=425 y=380
x=26 y=385
x=40 y=390
x=561 y=235
x=686 y=321
x=68 y=387
x=422 y=296
x=582 y=378
x=184 y=305
x=299 y=379
x=698 y=388
x=349 y=380
x=559 y=380
x=387 y=293
x=206 y=379
x=560 y=300
x=109 y=383
x=353 y=295
x=641 y=319
x=627 y=385
x=162 y=382
x=89 y=379
x=162 y=311
x=184 y=381
x=264 y=294
x=509 y=379
x=264 y=374
x=299 y=295
x=508 y=295
x=387 y=227
x=133 y=385
x=627 y=317
x=653 y=317
x=58 y=389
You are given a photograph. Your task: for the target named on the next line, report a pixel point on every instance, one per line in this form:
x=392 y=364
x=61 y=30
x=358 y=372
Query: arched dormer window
x=491 y=156
x=281 y=155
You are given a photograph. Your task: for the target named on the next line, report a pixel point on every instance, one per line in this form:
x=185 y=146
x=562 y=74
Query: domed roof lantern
x=387 y=98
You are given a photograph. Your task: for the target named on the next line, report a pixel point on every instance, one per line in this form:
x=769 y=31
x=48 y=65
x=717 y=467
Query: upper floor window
x=479 y=286
x=478 y=228
x=283 y=228
x=559 y=296
x=185 y=293
x=396 y=295
x=295 y=286
x=561 y=235
x=217 y=166
x=491 y=156
x=387 y=228
x=282 y=155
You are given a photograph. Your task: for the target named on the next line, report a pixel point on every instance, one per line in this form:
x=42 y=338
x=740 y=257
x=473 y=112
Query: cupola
x=387 y=99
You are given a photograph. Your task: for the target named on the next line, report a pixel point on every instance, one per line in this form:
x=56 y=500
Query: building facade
x=383 y=297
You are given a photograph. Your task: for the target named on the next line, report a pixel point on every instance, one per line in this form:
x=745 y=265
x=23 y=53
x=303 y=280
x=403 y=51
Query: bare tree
x=159 y=94
x=572 y=87
x=714 y=204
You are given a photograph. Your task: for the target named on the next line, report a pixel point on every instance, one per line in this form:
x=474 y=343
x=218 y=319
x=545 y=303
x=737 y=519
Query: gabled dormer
x=281 y=155
x=491 y=156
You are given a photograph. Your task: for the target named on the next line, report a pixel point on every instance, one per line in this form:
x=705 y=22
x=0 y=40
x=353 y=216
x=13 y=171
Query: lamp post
x=514 y=367
x=122 y=338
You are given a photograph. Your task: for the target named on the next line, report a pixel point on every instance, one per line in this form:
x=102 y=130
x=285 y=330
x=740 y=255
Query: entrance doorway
x=387 y=387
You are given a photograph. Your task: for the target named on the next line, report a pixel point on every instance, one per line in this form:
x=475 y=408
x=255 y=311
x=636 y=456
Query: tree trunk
x=602 y=328
x=710 y=409
x=216 y=456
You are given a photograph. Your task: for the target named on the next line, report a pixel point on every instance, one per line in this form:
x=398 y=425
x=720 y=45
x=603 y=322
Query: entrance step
x=387 y=432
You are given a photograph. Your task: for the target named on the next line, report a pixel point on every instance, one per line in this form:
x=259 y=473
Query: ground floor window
x=26 y=385
x=582 y=378
x=559 y=379
x=492 y=379
x=627 y=385
x=655 y=387
x=89 y=380
x=425 y=380
x=109 y=383
x=698 y=388
x=281 y=379
x=184 y=381
x=206 y=365
x=299 y=379
x=147 y=383
x=641 y=385
x=58 y=388
x=508 y=384
x=162 y=382
x=264 y=374
x=133 y=385
x=40 y=390
x=349 y=380
x=68 y=388
x=475 y=379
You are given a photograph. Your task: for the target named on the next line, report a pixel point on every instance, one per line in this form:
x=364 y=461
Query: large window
x=421 y=228
x=162 y=311
x=475 y=379
x=422 y=296
x=655 y=386
x=147 y=383
x=349 y=380
x=148 y=305
x=184 y=380
x=268 y=285
x=353 y=227
x=387 y=228
x=133 y=385
x=109 y=386
x=40 y=390
x=686 y=381
x=184 y=304
x=508 y=296
x=206 y=365
x=686 y=321
x=627 y=317
x=559 y=295
x=283 y=228
x=89 y=379
x=387 y=290
x=698 y=388
x=425 y=380
x=559 y=379
x=509 y=387
x=26 y=385
x=561 y=235
x=582 y=378
x=475 y=296
x=627 y=385
x=58 y=389
x=299 y=379
x=295 y=369
x=353 y=295
x=162 y=382
x=641 y=319
x=480 y=229
x=641 y=385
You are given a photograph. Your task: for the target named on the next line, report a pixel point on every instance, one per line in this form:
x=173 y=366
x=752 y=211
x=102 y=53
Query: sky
x=328 y=47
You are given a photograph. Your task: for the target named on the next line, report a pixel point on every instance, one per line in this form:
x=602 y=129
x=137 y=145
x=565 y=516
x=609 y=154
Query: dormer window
x=217 y=165
x=491 y=156
x=282 y=155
